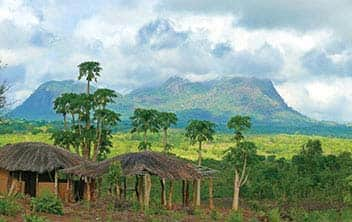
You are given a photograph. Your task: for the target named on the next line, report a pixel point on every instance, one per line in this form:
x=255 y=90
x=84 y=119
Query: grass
x=280 y=145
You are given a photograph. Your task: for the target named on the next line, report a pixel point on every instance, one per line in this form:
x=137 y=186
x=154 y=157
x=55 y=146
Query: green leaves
x=239 y=124
x=145 y=120
x=200 y=131
x=90 y=70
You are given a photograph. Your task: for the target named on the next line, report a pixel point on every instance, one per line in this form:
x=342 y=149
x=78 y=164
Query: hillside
x=214 y=100
x=39 y=105
x=217 y=99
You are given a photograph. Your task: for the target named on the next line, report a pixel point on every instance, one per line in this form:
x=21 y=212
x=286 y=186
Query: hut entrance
x=78 y=189
x=30 y=183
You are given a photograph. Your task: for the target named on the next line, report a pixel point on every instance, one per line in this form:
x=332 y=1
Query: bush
x=9 y=207
x=33 y=218
x=274 y=215
x=48 y=203
x=235 y=216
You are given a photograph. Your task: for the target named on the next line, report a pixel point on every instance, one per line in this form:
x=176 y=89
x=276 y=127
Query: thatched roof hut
x=141 y=163
x=36 y=157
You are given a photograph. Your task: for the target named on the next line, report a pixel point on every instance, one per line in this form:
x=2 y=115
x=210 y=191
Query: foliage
x=235 y=216
x=274 y=215
x=91 y=121
x=9 y=206
x=47 y=202
x=112 y=178
x=239 y=124
x=199 y=131
x=144 y=120
x=34 y=218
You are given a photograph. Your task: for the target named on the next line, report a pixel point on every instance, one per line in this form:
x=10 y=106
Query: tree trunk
x=136 y=188
x=145 y=137
x=236 y=192
x=198 y=180
x=211 y=201
x=171 y=190
x=163 y=192
x=165 y=140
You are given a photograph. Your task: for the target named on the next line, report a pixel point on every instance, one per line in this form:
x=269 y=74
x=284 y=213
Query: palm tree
x=166 y=120
x=199 y=131
x=61 y=105
x=144 y=120
x=91 y=71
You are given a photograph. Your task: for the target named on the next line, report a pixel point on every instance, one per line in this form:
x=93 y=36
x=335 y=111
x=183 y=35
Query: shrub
x=48 y=203
x=214 y=215
x=33 y=218
x=9 y=207
x=274 y=215
x=235 y=216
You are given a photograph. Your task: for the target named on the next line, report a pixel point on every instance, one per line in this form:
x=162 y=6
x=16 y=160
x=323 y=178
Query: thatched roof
x=146 y=162
x=36 y=157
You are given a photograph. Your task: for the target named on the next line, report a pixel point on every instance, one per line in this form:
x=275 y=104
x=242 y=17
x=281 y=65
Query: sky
x=304 y=47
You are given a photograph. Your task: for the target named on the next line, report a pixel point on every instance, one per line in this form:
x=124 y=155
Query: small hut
x=32 y=167
x=143 y=165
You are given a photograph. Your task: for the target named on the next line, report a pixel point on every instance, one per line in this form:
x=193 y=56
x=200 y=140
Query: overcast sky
x=303 y=46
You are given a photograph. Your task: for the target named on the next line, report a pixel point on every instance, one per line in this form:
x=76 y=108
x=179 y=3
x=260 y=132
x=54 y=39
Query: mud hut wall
x=50 y=186
x=4 y=181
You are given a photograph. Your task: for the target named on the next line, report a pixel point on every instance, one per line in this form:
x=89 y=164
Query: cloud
x=274 y=14
x=322 y=99
x=334 y=59
x=160 y=34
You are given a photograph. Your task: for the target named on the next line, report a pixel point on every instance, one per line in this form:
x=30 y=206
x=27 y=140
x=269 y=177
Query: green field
x=280 y=145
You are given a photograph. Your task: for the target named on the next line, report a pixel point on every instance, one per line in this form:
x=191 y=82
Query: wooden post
x=211 y=201
x=37 y=185
x=194 y=193
x=147 y=188
x=67 y=190
x=171 y=190
x=141 y=191
x=124 y=188
x=183 y=193
x=56 y=184
x=163 y=192
x=88 y=190
x=187 y=193
x=20 y=180
x=136 y=188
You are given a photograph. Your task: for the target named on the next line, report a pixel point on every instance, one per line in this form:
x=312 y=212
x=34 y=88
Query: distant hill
x=215 y=100
x=39 y=105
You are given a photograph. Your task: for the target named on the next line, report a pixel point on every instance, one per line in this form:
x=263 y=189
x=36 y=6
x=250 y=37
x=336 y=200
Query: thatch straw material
x=146 y=162
x=36 y=157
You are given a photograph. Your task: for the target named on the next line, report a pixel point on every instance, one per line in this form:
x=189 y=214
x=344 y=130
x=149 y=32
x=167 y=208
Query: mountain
x=214 y=100
x=39 y=105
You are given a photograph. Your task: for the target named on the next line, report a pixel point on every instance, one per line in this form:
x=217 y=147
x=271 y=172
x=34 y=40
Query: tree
x=199 y=131
x=4 y=87
x=239 y=155
x=166 y=120
x=89 y=70
x=91 y=120
x=144 y=120
x=239 y=124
